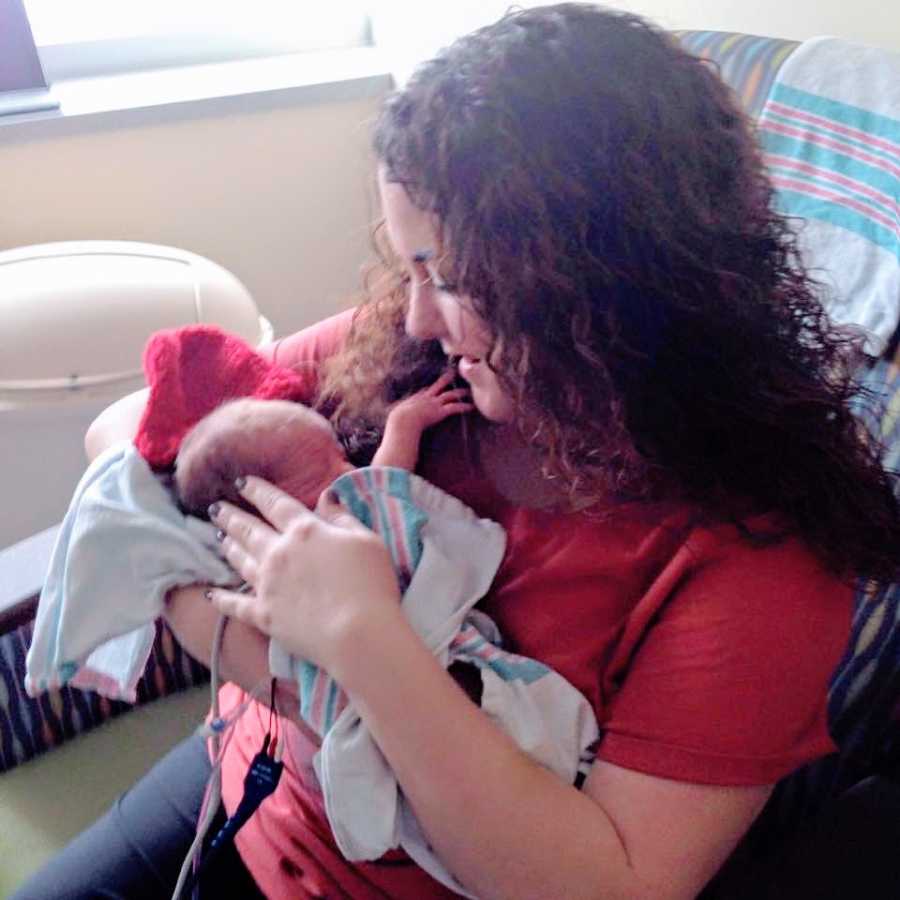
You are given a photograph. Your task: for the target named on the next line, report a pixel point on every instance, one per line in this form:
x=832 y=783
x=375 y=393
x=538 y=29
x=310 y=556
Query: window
x=22 y=84
x=102 y=37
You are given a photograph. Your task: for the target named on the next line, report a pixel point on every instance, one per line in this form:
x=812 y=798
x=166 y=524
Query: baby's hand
x=409 y=417
x=413 y=414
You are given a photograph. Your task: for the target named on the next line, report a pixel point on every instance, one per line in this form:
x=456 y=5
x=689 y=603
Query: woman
x=577 y=214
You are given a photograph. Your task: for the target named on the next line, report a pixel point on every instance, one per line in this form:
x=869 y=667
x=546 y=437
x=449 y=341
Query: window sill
x=167 y=94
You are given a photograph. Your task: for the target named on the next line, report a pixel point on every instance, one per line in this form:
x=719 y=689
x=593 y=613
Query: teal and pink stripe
x=470 y=645
x=381 y=498
x=834 y=162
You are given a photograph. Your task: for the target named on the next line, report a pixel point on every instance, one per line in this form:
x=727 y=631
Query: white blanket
x=122 y=545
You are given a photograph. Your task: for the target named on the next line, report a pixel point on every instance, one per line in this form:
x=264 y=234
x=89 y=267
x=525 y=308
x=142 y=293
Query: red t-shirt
x=705 y=660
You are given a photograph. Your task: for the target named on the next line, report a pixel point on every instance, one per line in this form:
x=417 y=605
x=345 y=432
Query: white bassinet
x=74 y=318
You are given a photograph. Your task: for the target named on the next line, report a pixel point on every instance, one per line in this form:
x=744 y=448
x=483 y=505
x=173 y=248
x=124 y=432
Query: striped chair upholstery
x=864 y=694
x=746 y=62
x=31 y=726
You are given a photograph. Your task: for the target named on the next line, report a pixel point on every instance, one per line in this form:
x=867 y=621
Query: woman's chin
x=493 y=407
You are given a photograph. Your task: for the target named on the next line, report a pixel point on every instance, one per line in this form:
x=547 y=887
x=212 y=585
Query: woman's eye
x=438 y=283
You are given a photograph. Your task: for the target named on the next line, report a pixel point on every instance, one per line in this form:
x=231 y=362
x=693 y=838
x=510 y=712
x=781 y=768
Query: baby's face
x=285 y=443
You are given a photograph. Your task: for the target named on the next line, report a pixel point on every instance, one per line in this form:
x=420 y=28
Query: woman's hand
x=319 y=579
x=244 y=658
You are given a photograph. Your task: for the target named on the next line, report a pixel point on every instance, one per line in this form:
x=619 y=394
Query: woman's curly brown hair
x=604 y=204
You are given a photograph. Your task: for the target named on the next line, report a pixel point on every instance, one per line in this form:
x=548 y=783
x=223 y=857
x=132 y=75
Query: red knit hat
x=191 y=371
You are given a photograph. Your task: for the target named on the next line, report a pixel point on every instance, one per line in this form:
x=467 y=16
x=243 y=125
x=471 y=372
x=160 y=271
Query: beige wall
x=875 y=22
x=279 y=196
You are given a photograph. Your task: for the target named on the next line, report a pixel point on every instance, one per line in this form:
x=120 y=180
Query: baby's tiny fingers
x=454 y=394
x=451 y=409
x=442 y=382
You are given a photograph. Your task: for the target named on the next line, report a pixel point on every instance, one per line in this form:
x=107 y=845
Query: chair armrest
x=23 y=567
x=37 y=724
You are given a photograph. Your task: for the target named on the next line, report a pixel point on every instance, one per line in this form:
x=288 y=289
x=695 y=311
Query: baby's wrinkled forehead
x=266 y=425
x=250 y=413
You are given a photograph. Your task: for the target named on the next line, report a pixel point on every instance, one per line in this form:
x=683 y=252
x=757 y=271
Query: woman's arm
x=507 y=827
x=503 y=825
x=118 y=422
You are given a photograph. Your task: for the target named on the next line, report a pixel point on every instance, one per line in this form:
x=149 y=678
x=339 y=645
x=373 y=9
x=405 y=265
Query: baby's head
x=286 y=443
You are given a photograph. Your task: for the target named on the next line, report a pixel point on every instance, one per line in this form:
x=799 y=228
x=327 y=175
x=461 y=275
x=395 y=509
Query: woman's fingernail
x=214 y=509
x=240 y=482
x=220 y=535
x=208 y=594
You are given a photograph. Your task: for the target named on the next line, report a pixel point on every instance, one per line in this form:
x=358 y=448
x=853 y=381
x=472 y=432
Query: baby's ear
x=178 y=481
x=184 y=489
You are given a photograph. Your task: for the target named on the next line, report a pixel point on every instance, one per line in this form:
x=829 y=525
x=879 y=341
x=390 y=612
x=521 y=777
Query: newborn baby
x=294 y=447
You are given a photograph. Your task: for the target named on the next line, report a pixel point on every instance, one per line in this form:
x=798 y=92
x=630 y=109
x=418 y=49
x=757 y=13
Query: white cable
x=218 y=725
x=214 y=785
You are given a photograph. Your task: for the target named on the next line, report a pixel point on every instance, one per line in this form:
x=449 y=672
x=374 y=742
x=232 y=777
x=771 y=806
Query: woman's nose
x=424 y=319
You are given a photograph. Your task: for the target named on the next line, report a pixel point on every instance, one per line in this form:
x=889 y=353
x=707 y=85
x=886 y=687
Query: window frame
x=105 y=57
x=23 y=83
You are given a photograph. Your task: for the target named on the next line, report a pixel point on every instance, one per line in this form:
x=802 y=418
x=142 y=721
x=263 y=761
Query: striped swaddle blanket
x=830 y=130
x=380 y=498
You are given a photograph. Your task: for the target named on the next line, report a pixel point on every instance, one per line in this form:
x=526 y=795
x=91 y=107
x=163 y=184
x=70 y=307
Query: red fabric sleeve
x=304 y=350
x=730 y=684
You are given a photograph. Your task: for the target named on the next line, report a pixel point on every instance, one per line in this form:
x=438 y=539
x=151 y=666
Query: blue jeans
x=135 y=850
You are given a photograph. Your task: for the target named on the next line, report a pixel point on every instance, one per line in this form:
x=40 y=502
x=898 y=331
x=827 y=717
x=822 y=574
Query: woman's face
x=435 y=310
